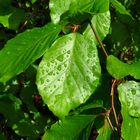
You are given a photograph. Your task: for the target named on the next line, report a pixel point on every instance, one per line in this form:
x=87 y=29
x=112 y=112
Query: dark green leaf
x=69 y=128
x=68 y=74
x=24 y=49
x=129 y=95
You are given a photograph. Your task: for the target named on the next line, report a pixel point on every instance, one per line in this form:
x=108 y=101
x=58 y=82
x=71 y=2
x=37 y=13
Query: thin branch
x=98 y=38
x=112 y=102
x=114 y=82
x=108 y=119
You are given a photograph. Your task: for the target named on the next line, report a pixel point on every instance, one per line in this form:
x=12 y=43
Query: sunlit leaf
x=24 y=49
x=69 y=128
x=129 y=95
x=59 y=7
x=101 y=23
x=68 y=74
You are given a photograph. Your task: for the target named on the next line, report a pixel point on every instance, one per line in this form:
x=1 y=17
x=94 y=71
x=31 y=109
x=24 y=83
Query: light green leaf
x=119 y=69
x=69 y=128
x=24 y=49
x=72 y=7
x=129 y=96
x=4 y=20
x=119 y=7
x=68 y=74
x=101 y=23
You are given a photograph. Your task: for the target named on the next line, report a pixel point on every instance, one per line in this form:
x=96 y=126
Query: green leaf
x=68 y=74
x=10 y=107
x=5 y=7
x=101 y=23
x=129 y=96
x=13 y=19
x=119 y=69
x=24 y=49
x=120 y=8
x=69 y=128
x=4 y=20
x=104 y=131
x=59 y=7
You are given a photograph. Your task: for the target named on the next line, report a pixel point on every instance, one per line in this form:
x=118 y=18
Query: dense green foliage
x=69 y=69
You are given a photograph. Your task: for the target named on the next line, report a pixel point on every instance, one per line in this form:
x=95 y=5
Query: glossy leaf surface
x=24 y=49
x=68 y=73
x=101 y=23
x=59 y=7
x=129 y=95
x=69 y=128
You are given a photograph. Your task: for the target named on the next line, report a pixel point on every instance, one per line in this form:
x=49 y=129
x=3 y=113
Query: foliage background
x=27 y=31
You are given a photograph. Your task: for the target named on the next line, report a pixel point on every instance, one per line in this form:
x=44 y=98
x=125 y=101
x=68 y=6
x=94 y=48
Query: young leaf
x=101 y=23
x=59 y=7
x=69 y=128
x=119 y=69
x=119 y=7
x=68 y=74
x=129 y=96
x=24 y=49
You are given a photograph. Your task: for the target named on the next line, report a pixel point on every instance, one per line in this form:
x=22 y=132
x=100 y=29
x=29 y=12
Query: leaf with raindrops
x=68 y=73
x=129 y=96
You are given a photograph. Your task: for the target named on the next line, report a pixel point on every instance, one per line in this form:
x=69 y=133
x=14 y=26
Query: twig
x=114 y=82
x=98 y=38
x=112 y=102
x=108 y=119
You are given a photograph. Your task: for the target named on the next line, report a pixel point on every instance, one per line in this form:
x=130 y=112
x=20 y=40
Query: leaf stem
x=98 y=38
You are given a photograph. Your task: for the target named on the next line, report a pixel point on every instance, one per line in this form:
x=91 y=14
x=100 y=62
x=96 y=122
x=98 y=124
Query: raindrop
x=42 y=81
x=133 y=92
x=65 y=65
x=68 y=52
x=59 y=67
x=60 y=58
x=48 y=64
x=87 y=78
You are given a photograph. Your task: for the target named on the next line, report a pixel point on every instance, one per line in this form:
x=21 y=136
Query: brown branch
x=98 y=38
x=114 y=82
x=108 y=119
